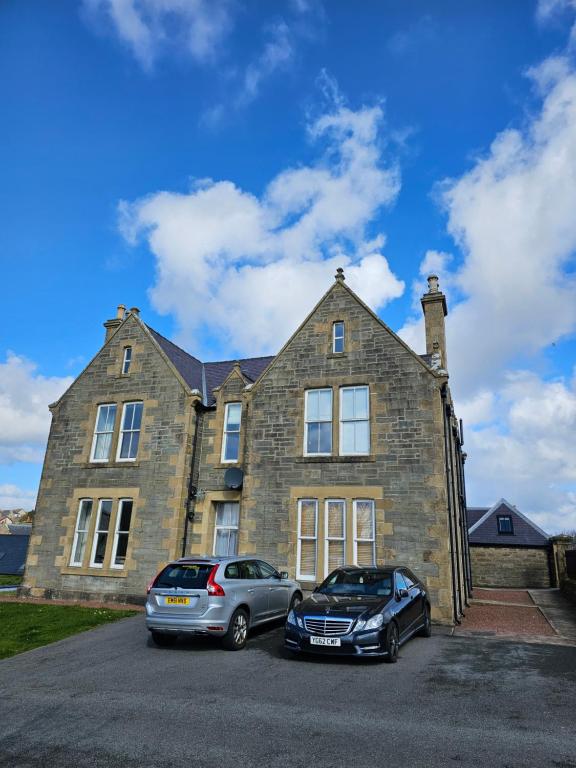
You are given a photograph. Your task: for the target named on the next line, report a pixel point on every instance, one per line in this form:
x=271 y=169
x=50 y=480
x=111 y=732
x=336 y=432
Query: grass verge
x=9 y=581
x=26 y=626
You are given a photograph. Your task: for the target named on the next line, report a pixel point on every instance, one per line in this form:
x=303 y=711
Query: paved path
x=108 y=698
x=559 y=611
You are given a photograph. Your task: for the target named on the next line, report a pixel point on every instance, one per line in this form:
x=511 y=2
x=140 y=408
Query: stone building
x=507 y=549
x=343 y=448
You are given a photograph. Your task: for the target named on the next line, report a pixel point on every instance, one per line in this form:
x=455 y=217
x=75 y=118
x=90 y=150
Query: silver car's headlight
x=375 y=622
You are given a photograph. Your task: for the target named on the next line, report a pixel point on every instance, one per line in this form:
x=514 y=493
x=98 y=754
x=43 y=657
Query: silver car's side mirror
x=283 y=574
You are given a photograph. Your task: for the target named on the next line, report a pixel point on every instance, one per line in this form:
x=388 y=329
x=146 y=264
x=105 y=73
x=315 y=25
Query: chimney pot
x=134 y=311
x=120 y=312
x=340 y=275
x=433 y=284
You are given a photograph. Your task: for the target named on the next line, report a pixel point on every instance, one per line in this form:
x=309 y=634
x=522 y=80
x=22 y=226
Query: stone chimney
x=435 y=310
x=111 y=325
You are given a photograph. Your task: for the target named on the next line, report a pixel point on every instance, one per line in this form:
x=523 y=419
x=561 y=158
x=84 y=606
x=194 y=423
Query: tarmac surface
x=108 y=697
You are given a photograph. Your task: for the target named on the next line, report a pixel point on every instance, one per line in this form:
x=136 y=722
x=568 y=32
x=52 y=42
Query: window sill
x=71 y=570
x=334 y=459
x=337 y=354
x=109 y=464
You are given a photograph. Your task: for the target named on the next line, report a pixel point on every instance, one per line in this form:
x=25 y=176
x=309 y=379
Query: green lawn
x=25 y=625
x=8 y=581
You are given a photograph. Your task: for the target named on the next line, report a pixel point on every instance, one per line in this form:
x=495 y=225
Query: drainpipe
x=449 y=500
x=463 y=457
x=455 y=508
x=462 y=516
x=192 y=489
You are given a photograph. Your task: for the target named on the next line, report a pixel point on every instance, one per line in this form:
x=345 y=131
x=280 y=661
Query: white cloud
x=254 y=265
x=514 y=294
x=151 y=27
x=24 y=416
x=14 y=497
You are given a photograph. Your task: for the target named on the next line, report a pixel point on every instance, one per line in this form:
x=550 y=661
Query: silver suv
x=220 y=596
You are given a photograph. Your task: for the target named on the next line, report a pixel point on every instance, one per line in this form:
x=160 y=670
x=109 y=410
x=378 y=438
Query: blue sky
x=193 y=162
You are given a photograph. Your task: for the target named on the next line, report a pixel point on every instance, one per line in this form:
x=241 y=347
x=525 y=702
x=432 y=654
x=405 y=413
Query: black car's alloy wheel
x=392 y=643
x=426 y=630
x=237 y=634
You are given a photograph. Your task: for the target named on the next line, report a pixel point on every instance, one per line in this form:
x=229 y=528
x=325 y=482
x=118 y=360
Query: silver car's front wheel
x=235 y=638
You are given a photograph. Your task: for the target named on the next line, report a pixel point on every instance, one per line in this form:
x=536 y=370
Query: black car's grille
x=327 y=627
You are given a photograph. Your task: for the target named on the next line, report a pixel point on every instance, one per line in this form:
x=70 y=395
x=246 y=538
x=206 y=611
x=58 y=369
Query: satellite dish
x=233 y=478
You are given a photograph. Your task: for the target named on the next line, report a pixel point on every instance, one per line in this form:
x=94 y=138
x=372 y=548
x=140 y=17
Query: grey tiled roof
x=474 y=514
x=206 y=376
x=526 y=534
x=13 y=551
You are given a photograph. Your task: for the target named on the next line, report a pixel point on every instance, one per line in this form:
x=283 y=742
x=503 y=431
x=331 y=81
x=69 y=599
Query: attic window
x=338 y=337
x=505 y=525
x=127 y=360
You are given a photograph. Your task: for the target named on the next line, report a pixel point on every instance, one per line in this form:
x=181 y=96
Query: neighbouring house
x=342 y=448
x=507 y=549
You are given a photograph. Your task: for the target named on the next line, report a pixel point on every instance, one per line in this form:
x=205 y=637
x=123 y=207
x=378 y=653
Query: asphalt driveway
x=110 y=698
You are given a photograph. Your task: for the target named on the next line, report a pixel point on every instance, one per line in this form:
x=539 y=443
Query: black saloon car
x=360 y=612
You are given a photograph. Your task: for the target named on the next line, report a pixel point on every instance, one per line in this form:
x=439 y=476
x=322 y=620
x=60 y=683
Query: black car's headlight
x=294 y=620
x=373 y=623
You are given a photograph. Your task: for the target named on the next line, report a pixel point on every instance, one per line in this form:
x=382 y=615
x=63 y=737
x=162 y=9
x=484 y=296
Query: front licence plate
x=324 y=641
x=177 y=601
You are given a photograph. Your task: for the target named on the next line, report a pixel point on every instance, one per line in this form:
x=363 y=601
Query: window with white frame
x=103 y=431
x=354 y=421
x=231 y=437
x=130 y=432
x=81 y=531
x=335 y=534
x=226 y=528
x=364 y=533
x=307 y=539
x=121 y=533
x=318 y=422
x=338 y=337
x=101 y=533
x=127 y=360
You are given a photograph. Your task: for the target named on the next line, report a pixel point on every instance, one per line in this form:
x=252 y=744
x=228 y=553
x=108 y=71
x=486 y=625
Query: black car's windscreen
x=185 y=576
x=377 y=583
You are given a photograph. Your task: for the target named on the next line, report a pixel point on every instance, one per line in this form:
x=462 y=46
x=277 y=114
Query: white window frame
x=327 y=538
x=355 y=529
x=117 y=532
x=354 y=420
x=126 y=361
x=232 y=431
x=326 y=421
x=336 y=337
x=225 y=528
x=299 y=575
x=98 y=530
x=96 y=433
x=77 y=531
x=122 y=431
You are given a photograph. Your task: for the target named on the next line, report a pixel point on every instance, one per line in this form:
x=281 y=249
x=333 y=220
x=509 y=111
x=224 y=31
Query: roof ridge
x=239 y=359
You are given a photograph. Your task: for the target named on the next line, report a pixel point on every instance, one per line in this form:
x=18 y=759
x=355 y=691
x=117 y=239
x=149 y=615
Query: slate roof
x=206 y=376
x=483 y=527
x=13 y=551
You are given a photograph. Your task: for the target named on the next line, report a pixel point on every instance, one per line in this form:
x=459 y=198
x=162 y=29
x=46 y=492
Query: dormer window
x=338 y=337
x=127 y=360
x=505 y=525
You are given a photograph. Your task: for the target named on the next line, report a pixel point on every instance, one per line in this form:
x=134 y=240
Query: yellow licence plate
x=177 y=601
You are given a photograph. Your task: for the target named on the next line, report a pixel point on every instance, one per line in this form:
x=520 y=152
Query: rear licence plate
x=324 y=641
x=177 y=601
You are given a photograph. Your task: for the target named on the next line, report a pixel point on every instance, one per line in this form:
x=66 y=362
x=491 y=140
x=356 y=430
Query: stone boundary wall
x=518 y=567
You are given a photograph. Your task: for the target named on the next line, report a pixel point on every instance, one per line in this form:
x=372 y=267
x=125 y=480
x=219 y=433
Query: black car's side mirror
x=402 y=593
x=283 y=574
